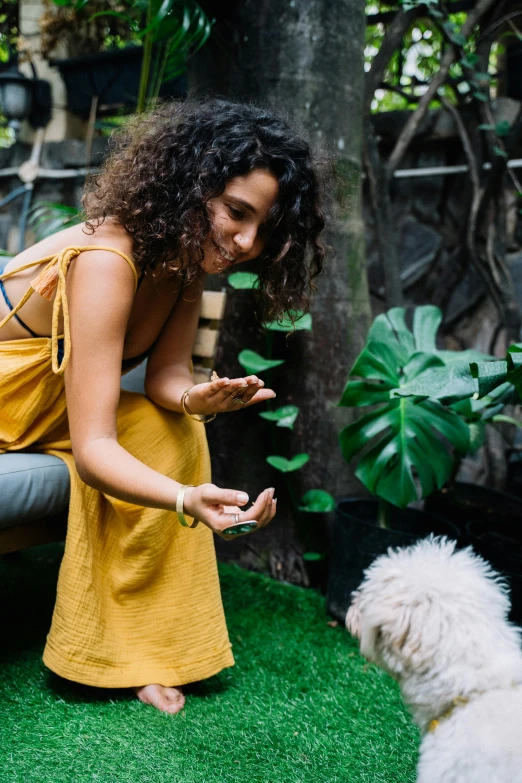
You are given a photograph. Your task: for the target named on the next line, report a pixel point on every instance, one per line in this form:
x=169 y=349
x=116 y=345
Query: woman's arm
x=168 y=367
x=100 y=289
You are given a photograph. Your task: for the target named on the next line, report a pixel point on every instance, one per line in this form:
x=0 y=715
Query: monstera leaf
x=475 y=378
x=408 y=441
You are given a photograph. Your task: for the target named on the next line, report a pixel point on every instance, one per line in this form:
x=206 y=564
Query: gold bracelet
x=194 y=416
x=179 y=506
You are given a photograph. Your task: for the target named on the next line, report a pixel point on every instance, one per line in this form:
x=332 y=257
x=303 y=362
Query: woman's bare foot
x=170 y=700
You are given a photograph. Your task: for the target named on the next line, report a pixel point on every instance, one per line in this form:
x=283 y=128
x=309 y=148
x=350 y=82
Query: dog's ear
x=402 y=635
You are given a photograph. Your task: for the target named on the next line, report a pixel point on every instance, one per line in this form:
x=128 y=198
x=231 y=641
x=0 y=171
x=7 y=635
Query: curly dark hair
x=164 y=167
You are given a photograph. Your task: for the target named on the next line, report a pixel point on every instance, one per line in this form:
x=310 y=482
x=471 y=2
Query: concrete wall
x=63 y=125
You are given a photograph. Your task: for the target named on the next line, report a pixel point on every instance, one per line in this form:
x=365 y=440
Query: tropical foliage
x=407 y=445
x=417 y=58
x=169 y=30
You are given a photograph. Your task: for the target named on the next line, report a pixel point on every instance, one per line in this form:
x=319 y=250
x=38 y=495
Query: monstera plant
x=422 y=416
x=407 y=445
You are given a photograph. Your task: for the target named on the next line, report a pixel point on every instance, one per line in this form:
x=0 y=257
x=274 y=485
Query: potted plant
x=123 y=54
x=406 y=446
x=492 y=519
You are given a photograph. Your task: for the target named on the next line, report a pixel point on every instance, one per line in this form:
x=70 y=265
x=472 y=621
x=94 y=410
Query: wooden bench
x=41 y=520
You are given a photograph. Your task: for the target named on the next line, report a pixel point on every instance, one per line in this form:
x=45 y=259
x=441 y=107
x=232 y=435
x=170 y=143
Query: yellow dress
x=138 y=597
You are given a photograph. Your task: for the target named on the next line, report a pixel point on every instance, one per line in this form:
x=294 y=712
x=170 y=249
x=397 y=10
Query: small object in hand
x=243 y=527
x=214 y=376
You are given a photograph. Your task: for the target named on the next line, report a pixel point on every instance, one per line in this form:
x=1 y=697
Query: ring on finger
x=237 y=399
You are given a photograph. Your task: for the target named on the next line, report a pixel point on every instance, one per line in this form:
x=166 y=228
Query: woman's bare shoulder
x=108 y=234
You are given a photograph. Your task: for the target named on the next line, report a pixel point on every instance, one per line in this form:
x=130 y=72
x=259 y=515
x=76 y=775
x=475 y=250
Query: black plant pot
x=357 y=540
x=499 y=542
x=113 y=77
x=465 y=502
x=312 y=527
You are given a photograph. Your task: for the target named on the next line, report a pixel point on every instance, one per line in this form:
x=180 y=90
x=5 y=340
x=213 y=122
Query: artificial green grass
x=300 y=706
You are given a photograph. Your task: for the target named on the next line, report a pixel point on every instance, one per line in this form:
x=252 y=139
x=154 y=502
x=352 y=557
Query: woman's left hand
x=223 y=395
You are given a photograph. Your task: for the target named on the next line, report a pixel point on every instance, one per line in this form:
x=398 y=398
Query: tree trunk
x=303 y=58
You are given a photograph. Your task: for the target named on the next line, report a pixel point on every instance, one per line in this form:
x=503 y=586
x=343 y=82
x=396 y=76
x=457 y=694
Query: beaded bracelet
x=179 y=507
x=194 y=416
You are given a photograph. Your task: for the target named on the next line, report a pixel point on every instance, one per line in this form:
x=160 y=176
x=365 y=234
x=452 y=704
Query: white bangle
x=179 y=507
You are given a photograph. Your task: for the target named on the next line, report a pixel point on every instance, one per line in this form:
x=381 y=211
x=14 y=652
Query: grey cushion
x=31 y=486
x=37 y=485
x=134 y=380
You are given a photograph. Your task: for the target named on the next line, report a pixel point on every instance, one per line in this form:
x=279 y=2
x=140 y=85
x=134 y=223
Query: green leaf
x=288 y=465
x=284 y=416
x=317 y=500
x=477 y=435
x=396 y=316
x=419 y=364
x=285 y=325
x=243 y=280
x=502 y=128
x=426 y=321
x=468 y=355
x=405 y=443
x=458 y=38
x=359 y=393
x=470 y=60
x=489 y=375
x=253 y=363
x=481 y=96
x=47 y=217
x=500 y=152
x=507 y=419
x=447 y=384
x=381 y=362
x=482 y=77
x=312 y=556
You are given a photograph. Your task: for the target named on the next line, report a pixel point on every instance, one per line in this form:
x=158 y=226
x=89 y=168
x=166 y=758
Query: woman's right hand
x=218 y=508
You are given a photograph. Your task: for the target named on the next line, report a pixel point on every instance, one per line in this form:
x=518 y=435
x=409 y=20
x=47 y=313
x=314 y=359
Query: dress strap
x=51 y=279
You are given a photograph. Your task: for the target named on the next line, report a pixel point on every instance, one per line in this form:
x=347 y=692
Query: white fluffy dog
x=435 y=619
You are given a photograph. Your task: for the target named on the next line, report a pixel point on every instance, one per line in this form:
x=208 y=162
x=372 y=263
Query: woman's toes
x=175 y=698
x=169 y=700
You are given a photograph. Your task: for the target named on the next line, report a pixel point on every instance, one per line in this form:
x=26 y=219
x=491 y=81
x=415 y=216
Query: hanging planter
x=113 y=77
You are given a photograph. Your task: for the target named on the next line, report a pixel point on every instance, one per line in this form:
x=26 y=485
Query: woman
x=188 y=190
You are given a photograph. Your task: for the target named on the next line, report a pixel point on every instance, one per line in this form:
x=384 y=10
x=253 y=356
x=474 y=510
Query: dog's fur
x=435 y=619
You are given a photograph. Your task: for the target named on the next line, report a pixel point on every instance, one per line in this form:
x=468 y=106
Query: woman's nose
x=245 y=240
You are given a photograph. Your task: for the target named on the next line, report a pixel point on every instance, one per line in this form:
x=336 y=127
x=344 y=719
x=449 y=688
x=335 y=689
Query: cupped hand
x=223 y=395
x=219 y=508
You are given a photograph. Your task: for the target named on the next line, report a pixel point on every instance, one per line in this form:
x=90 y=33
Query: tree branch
x=384 y=17
x=384 y=227
x=409 y=130
x=407 y=95
x=391 y=41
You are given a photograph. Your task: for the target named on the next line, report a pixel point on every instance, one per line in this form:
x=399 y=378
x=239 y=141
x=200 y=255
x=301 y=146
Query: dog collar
x=460 y=701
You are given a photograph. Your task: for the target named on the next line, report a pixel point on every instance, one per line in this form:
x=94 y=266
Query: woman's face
x=238 y=216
